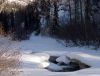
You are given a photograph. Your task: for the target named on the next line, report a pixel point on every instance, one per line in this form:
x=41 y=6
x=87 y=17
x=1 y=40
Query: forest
x=77 y=21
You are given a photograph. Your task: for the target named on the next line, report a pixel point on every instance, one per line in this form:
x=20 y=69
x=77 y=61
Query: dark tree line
x=19 y=21
x=83 y=22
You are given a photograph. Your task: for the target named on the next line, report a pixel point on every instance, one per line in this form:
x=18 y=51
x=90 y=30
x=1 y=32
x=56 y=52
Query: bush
x=9 y=63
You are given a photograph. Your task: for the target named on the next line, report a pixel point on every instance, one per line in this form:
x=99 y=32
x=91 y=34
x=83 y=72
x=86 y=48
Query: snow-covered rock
x=54 y=67
x=63 y=59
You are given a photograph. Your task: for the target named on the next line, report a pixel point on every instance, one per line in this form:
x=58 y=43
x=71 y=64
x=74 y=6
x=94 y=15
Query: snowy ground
x=37 y=50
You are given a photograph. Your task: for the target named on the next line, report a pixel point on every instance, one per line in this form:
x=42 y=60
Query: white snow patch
x=44 y=64
x=35 y=58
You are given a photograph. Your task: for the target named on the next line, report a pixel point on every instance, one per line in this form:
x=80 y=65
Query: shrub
x=9 y=63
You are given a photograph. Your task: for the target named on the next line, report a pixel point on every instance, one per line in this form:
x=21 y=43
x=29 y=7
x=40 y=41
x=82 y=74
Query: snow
x=36 y=58
x=44 y=64
x=37 y=50
x=63 y=17
x=91 y=60
x=43 y=21
x=63 y=59
x=54 y=67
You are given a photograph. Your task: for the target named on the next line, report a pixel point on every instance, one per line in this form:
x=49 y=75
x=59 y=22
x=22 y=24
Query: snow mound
x=63 y=59
x=54 y=67
x=35 y=58
x=44 y=64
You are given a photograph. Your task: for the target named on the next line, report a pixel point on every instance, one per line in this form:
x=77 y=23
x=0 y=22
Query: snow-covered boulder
x=54 y=67
x=63 y=59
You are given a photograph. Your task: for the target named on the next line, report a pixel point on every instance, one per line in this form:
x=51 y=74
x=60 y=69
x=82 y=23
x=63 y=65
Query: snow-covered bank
x=37 y=50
